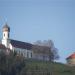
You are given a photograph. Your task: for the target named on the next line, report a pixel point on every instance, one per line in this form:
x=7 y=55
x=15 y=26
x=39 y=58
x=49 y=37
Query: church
x=22 y=48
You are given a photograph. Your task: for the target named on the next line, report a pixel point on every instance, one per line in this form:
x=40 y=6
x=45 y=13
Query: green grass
x=48 y=68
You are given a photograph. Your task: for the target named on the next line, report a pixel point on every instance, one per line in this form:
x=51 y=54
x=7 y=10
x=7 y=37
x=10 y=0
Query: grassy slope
x=48 y=68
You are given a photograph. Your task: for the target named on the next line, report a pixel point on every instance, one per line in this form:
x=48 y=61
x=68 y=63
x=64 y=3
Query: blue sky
x=32 y=20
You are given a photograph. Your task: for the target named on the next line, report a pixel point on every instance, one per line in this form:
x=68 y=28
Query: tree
x=53 y=51
x=11 y=64
x=48 y=43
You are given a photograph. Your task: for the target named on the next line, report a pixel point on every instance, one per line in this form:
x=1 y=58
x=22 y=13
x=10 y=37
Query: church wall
x=11 y=47
x=40 y=56
x=5 y=35
x=5 y=42
x=26 y=53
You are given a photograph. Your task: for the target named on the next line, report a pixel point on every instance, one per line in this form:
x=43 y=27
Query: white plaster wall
x=5 y=35
x=5 y=38
x=26 y=53
x=40 y=56
x=4 y=42
x=11 y=47
x=29 y=53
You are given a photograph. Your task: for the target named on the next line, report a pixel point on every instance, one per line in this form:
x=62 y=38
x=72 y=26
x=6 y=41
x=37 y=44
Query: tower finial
x=6 y=32
x=6 y=20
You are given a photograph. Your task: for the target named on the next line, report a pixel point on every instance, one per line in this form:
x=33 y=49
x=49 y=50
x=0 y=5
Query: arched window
x=31 y=54
x=27 y=54
x=8 y=35
x=4 y=34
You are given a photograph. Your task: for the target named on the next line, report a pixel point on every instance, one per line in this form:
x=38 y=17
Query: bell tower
x=5 y=38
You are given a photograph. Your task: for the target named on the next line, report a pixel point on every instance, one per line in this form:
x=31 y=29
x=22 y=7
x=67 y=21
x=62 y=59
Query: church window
x=8 y=35
x=19 y=52
x=27 y=54
x=4 y=35
x=31 y=54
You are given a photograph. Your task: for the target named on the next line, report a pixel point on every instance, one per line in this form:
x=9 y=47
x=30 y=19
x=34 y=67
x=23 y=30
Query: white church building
x=22 y=48
x=15 y=45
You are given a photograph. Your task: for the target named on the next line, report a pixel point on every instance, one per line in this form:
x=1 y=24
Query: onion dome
x=6 y=28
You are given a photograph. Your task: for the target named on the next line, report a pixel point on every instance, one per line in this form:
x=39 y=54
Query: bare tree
x=43 y=51
x=52 y=50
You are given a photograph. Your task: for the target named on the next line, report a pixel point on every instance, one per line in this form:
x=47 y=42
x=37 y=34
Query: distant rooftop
x=71 y=56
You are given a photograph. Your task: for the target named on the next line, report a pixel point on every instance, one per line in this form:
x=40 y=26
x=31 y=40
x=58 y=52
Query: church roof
x=20 y=44
x=71 y=56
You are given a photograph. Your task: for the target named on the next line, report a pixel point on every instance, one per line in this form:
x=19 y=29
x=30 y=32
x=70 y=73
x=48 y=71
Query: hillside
x=48 y=68
x=17 y=65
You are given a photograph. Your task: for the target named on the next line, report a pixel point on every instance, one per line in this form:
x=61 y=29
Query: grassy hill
x=47 y=68
x=17 y=65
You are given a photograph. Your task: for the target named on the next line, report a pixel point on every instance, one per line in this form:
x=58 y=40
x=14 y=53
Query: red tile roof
x=71 y=56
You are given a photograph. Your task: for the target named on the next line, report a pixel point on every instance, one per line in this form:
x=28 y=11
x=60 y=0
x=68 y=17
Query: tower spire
x=6 y=31
x=6 y=27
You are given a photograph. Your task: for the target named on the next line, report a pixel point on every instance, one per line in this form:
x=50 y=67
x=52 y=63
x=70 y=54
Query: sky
x=32 y=20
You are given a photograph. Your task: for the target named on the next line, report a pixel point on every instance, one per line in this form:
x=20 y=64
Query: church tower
x=5 y=38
